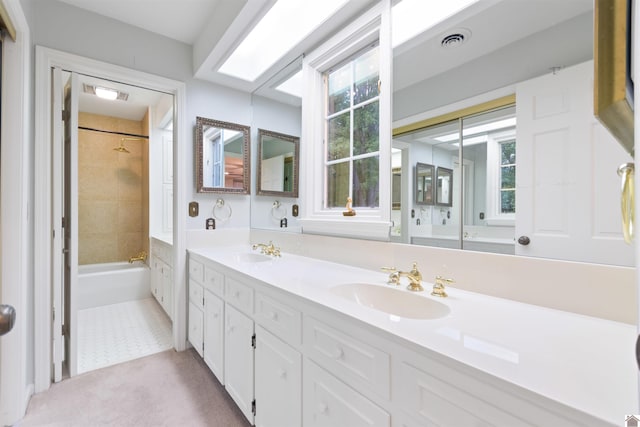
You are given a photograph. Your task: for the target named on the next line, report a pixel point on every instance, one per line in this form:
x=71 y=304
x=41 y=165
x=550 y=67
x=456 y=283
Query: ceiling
x=214 y=27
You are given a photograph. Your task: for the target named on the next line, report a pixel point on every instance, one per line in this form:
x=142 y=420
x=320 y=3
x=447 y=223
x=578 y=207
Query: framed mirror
x=278 y=164
x=424 y=184
x=222 y=157
x=444 y=186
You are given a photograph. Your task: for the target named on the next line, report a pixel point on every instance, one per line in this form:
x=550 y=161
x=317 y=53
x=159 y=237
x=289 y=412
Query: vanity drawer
x=353 y=361
x=279 y=318
x=328 y=402
x=196 y=294
x=196 y=271
x=214 y=281
x=239 y=295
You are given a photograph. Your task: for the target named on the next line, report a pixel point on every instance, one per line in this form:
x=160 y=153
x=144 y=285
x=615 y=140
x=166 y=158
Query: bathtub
x=112 y=283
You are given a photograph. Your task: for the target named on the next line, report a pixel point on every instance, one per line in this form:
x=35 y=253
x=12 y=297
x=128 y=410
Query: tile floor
x=117 y=333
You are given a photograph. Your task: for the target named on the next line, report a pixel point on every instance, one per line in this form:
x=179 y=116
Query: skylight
x=412 y=17
x=286 y=24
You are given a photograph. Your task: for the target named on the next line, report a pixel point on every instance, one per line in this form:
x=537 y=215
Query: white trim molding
x=46 y=59
x=16 y=196
x=371 y=27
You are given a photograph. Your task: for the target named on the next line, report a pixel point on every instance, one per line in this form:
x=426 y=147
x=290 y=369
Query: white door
x=70 y=231
x=560 y=146
x=214 y=334
x=278 y=388
x=57 y=180
x=238 y=359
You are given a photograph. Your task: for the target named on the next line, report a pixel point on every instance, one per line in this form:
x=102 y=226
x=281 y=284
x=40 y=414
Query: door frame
x=16 y=195
x=47 y=58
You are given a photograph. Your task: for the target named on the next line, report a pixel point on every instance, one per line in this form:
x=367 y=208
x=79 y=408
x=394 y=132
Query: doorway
x=111 y=146
x=46 y=229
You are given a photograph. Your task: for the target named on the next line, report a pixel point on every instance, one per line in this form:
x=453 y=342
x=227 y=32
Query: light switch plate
x=193 y=209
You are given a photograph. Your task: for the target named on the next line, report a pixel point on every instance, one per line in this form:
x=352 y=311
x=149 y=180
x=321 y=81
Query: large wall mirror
x=222 y=157
x=278 y=164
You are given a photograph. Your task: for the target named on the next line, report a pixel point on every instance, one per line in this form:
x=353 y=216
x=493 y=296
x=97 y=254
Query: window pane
x=338 y=136
x=337 y=184
x=507 y=201
x=339 y=94
x=508 y=153
x=366 y=129
x=365 y=182
x=366 y=77
x=508 y=177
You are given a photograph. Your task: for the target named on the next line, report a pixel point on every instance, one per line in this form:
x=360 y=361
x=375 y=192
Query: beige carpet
x=165 y=389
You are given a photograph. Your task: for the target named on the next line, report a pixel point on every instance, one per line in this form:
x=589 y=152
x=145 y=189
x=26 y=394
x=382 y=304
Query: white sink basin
x=253 y=257
x=392 y=301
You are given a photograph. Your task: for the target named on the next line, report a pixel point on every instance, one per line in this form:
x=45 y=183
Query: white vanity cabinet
x=250 y=342
x=162 y=274
x=278 y=379
x=327 y=367
x=238 y=359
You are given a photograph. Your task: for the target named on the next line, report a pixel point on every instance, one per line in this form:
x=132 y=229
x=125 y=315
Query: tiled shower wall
x=112 y=198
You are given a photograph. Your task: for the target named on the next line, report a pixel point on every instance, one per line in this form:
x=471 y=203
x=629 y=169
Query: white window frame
x=495 y=217
x=371 y=27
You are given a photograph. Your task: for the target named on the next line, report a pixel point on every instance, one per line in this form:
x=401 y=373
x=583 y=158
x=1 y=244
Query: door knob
x=524 y=240
x=7 y=318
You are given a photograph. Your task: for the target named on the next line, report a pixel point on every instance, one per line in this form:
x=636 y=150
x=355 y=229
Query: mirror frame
x=431 y=169
x=440 y=171
x=201 y=122
x=296 y=164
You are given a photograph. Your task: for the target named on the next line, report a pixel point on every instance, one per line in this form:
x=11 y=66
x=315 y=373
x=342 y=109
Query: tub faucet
x=141 y=256
x=269 y=249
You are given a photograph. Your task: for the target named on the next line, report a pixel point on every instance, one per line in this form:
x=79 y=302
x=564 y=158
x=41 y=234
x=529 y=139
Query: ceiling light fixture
x=104 y=93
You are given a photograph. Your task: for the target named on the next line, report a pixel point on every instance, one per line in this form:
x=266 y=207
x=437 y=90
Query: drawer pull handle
x=236 y=294
x=339 y=354
x=273 y=316
x=231 y=328
x=282 y=373
x=323 y=408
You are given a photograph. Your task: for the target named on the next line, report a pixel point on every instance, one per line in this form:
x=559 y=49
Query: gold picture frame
x=613 y=88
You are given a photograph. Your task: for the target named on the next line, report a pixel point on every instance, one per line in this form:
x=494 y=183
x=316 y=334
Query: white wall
x=276 y=117
x=514 y=63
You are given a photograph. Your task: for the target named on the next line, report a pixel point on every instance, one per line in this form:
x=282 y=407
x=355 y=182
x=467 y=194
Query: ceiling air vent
x=455 y=38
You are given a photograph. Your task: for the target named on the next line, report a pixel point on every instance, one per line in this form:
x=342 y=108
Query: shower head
x=121 y=148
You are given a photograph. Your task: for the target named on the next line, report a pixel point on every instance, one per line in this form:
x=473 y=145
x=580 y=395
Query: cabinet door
x=156 y=279
x=328 y=402
x=167 y=290
x=196 y=318
x=238 y=359
x=214 y=334
x=278 y=385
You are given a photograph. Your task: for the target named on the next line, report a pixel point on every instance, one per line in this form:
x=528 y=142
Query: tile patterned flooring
x=117 y=333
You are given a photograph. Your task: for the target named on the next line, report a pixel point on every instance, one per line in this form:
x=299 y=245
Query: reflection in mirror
x=444 y=186
x=424 y=184
x=278 y=164
x=484 y=178
x=222 y=157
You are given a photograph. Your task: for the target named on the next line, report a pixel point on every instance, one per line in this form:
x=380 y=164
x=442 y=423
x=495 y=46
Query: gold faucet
x=438 y=286
x=414 y=276
x=269 y=249
x=141 y=256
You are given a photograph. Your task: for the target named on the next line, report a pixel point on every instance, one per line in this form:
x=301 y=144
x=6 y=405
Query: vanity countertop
x=584 y=362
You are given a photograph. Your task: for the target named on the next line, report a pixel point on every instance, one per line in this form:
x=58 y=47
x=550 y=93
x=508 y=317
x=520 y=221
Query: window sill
x=347 y=227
